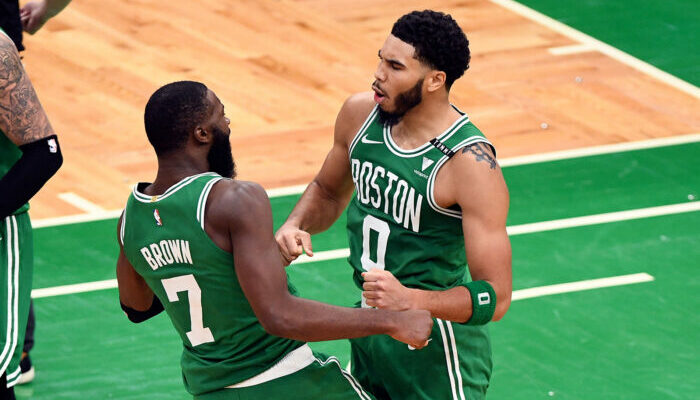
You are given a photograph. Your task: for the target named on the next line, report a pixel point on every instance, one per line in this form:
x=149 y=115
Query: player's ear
x=435 y=80
x=202 y=135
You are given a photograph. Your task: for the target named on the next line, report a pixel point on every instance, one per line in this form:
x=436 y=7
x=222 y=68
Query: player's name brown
x=167 y=252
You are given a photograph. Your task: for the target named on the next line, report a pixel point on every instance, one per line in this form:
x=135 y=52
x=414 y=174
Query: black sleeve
x=140 y=316
x=40 y=160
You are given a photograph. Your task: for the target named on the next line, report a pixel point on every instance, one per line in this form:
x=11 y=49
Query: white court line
x=323 y=256
x=598 y=150
x=73 y=219
x=285 y=191
x=572 y=49
x=77 y=288
x=512 y=230
x=603 y=218
x=79 y=202
x=604 y=48
x=506 y=162
x=581 y=285
x=577 y=286
x=564 y=223
x=517 y=294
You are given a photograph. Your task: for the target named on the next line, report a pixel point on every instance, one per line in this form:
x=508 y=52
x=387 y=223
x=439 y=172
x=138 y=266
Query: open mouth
x=379 y=95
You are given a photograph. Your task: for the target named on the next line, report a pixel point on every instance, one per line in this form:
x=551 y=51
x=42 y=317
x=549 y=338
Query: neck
x=426 y=121
x=172 y=169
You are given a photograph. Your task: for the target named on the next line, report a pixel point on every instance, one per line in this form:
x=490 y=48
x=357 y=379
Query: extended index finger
x=306 y=244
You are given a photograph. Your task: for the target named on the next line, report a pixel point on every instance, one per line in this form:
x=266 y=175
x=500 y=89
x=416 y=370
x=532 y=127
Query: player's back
x=165 y=241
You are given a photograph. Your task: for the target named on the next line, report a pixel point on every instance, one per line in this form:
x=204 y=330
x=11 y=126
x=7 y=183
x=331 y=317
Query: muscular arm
x=22 y=118
x=484 y=204
x=24 y=122
x=473 y=180
x=329 y=193
x=264 y=280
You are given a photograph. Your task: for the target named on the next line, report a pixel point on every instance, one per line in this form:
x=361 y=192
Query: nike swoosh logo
x=368 y=141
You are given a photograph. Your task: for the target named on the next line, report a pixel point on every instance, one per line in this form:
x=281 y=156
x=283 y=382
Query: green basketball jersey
x=394 y=222
x=164 y=239
x=9 y=154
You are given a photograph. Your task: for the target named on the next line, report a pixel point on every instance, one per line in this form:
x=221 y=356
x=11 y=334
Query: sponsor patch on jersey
x=156 y=215
x=422 y=175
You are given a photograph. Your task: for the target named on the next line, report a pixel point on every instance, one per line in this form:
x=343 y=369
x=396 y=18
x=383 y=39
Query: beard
x=220 y=157
x=404 y=103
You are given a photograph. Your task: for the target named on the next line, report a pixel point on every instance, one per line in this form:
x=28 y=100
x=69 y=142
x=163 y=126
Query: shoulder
x=476 y=165
x=353 y=114
x=359 y=103
x=240 y=193
x=474 y=160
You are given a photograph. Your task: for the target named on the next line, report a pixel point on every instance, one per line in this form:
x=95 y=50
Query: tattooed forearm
x=22 y=118
x=481 y=153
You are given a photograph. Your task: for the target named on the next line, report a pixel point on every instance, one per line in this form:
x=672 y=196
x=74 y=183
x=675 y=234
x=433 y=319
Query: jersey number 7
x=198 y=333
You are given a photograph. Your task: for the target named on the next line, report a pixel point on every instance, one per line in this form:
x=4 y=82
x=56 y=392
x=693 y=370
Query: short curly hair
x=172 y=112
x=438 y=40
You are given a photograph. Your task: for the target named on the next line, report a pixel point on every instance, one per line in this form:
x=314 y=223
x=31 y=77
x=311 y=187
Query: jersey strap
x=372 y=115
x=431 y=179
x=440 y=146
x=202 y=203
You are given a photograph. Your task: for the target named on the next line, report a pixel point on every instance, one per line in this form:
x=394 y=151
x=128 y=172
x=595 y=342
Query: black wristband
x=40 y=160
x=136 y=316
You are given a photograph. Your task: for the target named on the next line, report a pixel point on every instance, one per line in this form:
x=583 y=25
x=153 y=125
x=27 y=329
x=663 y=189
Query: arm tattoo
x=22 y=118
x=481 y=154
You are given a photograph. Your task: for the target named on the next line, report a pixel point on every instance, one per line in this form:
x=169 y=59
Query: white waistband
x=289 y=364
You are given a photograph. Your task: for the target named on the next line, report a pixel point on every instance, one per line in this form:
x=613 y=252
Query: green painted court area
x=632 y=341
x=664 y=33
x=635 y=341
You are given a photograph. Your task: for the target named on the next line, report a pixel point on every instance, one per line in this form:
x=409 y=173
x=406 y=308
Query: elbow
x=276 y=317
x=277 y=325
x=269 y=324
x=502 y=306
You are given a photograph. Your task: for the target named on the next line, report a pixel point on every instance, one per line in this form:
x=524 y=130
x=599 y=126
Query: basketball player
x=429 y=196
x=200 y=245
x=29 y=156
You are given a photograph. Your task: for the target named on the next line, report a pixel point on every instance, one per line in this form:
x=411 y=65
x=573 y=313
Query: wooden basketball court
x=283 y=68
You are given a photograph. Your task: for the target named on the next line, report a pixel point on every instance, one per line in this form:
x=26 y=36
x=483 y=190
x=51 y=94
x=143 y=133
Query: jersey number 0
x=370 y=224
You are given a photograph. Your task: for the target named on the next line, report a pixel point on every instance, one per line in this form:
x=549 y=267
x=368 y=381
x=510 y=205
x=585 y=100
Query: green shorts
x=456 y=365
x=16 y=260
x=320 y=380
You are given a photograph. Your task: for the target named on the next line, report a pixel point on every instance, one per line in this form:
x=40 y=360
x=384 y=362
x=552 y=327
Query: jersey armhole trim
x=121 y=230
x=431 y=179
x=202 y=203
x=363 y=128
